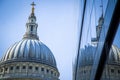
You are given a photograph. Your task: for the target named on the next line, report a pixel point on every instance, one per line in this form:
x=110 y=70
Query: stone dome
x=29 y=59
x=30 y=50
x=88 y=54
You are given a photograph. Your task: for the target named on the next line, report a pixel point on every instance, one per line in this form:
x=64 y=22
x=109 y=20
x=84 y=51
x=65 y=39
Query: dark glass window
x=47 y=71
x=36 y=68
x=6 y=69
x=118 y=71
x=30 y=67
x=17 y=67
x=24 y=67
x=84 y=71
x=51 y=72
x=112 y=70
x=42 y=69
x=11 y=68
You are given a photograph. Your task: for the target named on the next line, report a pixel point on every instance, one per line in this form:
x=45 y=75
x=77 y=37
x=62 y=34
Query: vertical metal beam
x=80 y=37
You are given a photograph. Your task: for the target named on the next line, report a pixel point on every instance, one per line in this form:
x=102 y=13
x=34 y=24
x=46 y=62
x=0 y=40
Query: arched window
x=119 y=71
x=6 y=69
x=36 y=68
x=17 y=67
x=51 y=72
x=24 y=67
x=32 y=20
x=31 y=27
x=47 y=71
x=11 y=68
x=30 y=67
x=42 y=69
x=112 y=70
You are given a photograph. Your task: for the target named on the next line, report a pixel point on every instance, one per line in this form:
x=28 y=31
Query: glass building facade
x=98 y=53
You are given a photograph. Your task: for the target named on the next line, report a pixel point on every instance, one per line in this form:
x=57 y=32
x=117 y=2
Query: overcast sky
x=57 y=28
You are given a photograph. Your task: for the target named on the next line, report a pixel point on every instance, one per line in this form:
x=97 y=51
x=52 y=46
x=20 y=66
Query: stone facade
x=27 y=71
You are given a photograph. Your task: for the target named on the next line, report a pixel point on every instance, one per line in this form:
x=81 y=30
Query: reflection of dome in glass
x=30 y=50
x=88 y=54
x=86 y=60
x=114 y=55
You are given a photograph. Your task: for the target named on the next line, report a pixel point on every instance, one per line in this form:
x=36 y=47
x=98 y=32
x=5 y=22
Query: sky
x=57 y=28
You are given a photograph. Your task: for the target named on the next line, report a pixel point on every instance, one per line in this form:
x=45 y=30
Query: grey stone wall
x=28 y=71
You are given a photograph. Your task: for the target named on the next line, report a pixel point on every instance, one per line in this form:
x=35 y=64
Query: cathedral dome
x=29 y=59
x=29 y=50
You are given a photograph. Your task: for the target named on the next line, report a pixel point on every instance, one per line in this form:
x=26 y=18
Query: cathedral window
x=32 y=20
x=42 y=69
x=47 y=71
x=31 y=27
x=24 y=67
x=6 y=69
x=11 y=68
x=119 y=71
x=30 y=67
x=36 y=68
x=84 y=71
x=112 y=70
x=51 y=72
x=17 y=67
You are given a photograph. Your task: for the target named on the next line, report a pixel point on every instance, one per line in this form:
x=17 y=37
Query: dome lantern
x=31 y=26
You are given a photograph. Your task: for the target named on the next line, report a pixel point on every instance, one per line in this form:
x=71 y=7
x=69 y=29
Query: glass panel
x=112 y=67
x=97 y=17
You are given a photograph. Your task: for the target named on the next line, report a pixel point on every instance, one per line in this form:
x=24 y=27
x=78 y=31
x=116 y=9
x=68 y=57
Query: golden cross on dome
x=33 y=4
